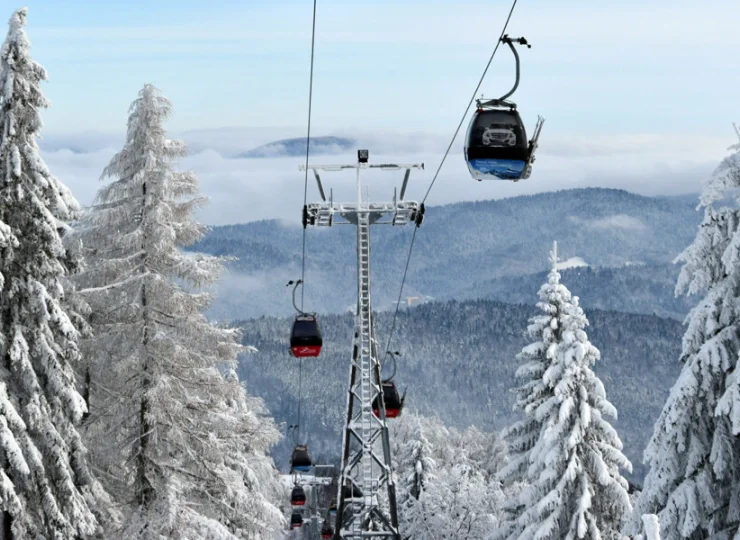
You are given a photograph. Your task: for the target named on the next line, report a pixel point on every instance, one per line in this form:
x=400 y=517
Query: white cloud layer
x=617 y=221
x=242 y=190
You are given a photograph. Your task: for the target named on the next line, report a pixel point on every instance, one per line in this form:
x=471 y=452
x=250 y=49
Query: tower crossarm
x=385 y=213
x=395 y=212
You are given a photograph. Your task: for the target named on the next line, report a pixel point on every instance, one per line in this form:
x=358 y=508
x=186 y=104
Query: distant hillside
x=458 y=362
x=467 y=250
x=297 y=147
x=630 y=289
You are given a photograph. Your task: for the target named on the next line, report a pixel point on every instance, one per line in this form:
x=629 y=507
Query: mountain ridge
x=296 y=147
x=459 y=248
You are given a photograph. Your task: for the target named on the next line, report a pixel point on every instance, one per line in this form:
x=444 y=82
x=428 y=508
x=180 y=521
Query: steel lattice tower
x=366 y=462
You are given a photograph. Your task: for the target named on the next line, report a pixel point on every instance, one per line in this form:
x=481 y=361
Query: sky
x=637 y=95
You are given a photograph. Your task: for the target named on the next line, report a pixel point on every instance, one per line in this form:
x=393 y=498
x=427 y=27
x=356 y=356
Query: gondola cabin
x=300 y=461
x=327 y=531
x=298 y=496
x=296 y=520
x=393 y=401
x=496 y=145
x=350 y=492
x=305 y=336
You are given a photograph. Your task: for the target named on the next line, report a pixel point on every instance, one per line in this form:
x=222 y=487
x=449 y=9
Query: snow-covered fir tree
x=414 y=459
x=247 y=484
x=564 y=449
x=694 y=455
x=444 y=491
x=45 y=483
x=179 y=444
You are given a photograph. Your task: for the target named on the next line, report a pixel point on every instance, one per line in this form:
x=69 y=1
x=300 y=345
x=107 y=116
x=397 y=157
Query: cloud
x=82 y=142
x=242 y=190
x=230 y=141
x=573 y=262
x=658 y=146
x=617 y=221
x=79 y=171
x=256 y=289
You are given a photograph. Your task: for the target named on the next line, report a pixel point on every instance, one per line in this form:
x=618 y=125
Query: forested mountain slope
x=458 y=362
x=460 y=249
x=630 y=289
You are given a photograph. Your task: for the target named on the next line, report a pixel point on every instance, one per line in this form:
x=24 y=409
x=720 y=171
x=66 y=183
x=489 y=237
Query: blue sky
x=637 y=95
x=599 y=67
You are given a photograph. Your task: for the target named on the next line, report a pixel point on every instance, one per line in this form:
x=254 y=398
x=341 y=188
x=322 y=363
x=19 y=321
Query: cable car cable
x=436 y=174
x=300 y=398
x=305 y=202
x=400 y=292
x=308 y=146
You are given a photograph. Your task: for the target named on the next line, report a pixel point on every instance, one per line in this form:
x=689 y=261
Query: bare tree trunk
x=7 y=522
x=7 y=518
x=86 y=393
x=146 y=490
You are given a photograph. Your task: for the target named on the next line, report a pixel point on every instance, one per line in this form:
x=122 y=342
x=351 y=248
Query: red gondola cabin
x=327 y=531
x=393 y=401
x=298 y=496
x=305 y=336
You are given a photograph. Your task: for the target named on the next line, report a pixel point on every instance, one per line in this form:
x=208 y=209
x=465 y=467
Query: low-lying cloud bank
x=242 y=190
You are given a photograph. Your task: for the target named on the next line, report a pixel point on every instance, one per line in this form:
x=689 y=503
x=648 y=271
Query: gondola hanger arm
x=295 y=286
x=393 y=355
x=501 y=102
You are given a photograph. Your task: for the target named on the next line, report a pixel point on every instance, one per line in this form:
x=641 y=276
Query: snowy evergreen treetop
x=564 y=449
x=694 y=455
x=20 y=101
x=46 y=486
x=192 y=461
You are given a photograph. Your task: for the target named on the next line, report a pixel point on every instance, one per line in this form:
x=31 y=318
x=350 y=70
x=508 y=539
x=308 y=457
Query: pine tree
x=487 y=450
x=444 y=493
x=564 y=448
x=180 y=444
x=694 y=455
x=237 y=455
x=415 y=461
x=45 y=483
